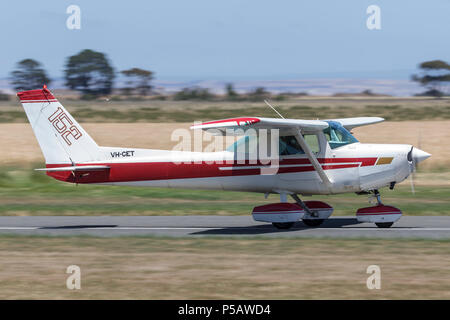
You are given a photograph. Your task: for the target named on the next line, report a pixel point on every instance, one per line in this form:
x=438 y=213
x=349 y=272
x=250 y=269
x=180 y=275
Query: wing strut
x=313 y=159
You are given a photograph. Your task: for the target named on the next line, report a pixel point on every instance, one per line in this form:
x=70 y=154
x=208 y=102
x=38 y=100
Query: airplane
x=314 y=157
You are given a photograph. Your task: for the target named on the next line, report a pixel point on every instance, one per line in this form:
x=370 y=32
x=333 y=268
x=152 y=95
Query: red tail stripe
x=40 y=95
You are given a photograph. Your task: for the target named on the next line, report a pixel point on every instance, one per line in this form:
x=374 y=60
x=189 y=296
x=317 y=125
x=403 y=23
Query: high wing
x=228 y=126
x=350 y=123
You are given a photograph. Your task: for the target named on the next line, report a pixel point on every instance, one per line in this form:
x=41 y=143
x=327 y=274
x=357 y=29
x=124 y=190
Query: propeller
x=414 y=156
x=412 y=169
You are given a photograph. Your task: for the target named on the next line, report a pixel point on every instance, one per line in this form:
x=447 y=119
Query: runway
x=432 y=227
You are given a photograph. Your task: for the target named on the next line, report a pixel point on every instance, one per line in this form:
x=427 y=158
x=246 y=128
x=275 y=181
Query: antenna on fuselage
x=273 y=109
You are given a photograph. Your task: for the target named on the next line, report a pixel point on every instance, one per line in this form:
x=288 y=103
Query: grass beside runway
x=390 y=108
x=24 y=191
x=161 y=268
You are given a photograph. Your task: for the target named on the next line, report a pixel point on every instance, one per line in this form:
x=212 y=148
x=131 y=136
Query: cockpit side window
x=313 y=142
x=337 y=135
x=287 y=145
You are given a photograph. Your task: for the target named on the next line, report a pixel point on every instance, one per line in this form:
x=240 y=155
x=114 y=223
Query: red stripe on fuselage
x=145 y=171
x=363 y=161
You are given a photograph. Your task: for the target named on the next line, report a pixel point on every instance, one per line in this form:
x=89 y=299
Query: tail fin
x=61 y=138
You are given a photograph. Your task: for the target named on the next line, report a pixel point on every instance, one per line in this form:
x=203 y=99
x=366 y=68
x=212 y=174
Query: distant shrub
x=193 y=94
x=367 y=92
x=432 y=93
x=88 y=96
x=115 y=98
x=159 y=97
x=4 y=97
x=280 y=97
x=135 y=98
x=258 y=94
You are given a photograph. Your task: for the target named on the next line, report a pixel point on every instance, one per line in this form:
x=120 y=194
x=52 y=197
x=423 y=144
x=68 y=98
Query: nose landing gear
x=383 y=216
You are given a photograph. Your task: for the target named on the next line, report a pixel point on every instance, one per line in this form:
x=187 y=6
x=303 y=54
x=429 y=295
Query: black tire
x=313 y=222
x=283 y=225
x=384 y=224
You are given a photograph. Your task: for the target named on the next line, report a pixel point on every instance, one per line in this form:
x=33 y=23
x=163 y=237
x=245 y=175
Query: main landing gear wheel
x=313 y=222
x=283 y=225
x=384 y=224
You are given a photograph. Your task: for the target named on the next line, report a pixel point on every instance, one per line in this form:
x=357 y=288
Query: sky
x=231 y=40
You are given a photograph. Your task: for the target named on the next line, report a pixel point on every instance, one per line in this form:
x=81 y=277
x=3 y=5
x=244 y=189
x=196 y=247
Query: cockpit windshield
x=337 y=135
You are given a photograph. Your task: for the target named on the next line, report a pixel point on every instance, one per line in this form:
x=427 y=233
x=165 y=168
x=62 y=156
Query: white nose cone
x=419 y=155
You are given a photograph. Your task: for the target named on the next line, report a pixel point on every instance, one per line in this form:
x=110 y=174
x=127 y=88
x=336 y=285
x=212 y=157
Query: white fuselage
x=351 y=168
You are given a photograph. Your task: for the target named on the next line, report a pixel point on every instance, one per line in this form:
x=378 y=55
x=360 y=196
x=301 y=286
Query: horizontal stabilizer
x=75 y=168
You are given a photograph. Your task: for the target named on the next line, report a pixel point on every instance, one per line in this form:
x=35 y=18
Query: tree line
x=434 y=76
x=88 y=72
x=91 y=73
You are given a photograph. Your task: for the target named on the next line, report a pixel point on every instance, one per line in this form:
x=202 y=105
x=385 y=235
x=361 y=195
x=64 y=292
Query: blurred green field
x=27 y=192
x=390 y=108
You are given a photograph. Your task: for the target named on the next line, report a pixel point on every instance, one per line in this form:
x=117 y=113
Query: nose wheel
x=377 y=195
x=384 y=224
x=382 y=215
